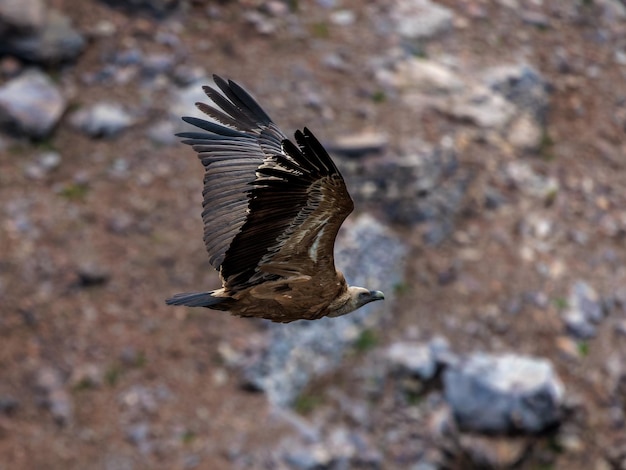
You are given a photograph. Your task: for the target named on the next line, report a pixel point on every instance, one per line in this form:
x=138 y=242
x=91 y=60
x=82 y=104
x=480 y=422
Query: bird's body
x=272 y=210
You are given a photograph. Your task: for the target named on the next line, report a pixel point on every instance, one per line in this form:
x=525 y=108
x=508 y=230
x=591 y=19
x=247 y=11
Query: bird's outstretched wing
x=272 y=208
x=230 y=156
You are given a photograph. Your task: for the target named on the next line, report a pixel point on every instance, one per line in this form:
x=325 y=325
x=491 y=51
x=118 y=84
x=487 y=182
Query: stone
x=536 y=19
x=276 y=7
x=613 y=10
x=103 y=29
x=139 y=434
x=261 y=23
x=335 y=61
x=156 y=64
x=44 y=164
x=343 y=17
x=8 y=404
x=526 y=179
x=86 y=376
x=102 y=119
x=421 y=19
x=415 y=359
x=620 y=327
x=504 y=394
x=584 y=310
x=480 y=106
x=130 y=56
x=49 y=160
x=525 y=133
x=340 y=448
x=139 y=400
x=184 y=75
x=91 y=274
x=31 y=104
x=21 y=16
x=158 y=8
x=425 y=465
x=355 y=145
x=425 y=76
x=53 y=395
x=52 y=42
x=521 y=85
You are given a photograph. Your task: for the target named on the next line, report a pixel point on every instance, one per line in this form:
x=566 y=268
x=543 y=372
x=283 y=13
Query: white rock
x=102 y=119
x=425 y=76
x=368 y=141
x=415 y=358
x=343 y=17
x=482 y=107
x=419 y=19
x=525 y=133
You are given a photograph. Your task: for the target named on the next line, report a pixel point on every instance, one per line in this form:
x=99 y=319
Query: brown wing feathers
x=284 y=194
x=272 y=210
x=259 y=187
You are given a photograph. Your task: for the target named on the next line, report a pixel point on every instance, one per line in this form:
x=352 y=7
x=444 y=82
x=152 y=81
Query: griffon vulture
x=272 y=210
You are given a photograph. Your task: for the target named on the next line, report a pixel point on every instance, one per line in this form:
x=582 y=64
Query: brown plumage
x=272 y=210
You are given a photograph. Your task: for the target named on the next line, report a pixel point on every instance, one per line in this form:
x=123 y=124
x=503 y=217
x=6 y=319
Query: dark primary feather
x=239 y=95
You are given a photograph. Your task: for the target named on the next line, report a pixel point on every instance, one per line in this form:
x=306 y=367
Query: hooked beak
x=377 y=295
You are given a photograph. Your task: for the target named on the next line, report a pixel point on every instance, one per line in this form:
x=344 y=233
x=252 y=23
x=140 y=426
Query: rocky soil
x=483 y=143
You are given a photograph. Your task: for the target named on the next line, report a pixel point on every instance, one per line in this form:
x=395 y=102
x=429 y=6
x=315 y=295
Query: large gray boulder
x=504 y=394
x=32 y=32
x=31 y=104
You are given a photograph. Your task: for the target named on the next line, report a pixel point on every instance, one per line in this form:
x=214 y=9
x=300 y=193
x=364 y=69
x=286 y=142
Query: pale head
x=355 y=297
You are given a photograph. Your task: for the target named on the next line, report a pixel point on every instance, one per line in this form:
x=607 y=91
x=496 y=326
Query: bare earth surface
x=96 y=372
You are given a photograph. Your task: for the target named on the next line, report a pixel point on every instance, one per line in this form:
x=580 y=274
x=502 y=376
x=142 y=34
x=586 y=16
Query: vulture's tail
x=198 y=299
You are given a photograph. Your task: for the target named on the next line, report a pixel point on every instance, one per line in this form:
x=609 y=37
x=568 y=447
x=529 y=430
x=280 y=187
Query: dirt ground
x=126 y=359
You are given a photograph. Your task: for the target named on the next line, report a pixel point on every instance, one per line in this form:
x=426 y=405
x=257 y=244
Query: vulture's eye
x=364 y=295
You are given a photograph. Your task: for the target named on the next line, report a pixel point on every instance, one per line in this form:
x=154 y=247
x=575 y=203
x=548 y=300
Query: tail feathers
x=195 y=299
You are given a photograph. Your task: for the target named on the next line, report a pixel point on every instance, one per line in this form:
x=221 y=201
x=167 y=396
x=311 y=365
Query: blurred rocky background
x=484 y=144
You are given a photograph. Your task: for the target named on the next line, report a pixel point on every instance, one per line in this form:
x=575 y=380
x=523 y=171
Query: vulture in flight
x=272 y=210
